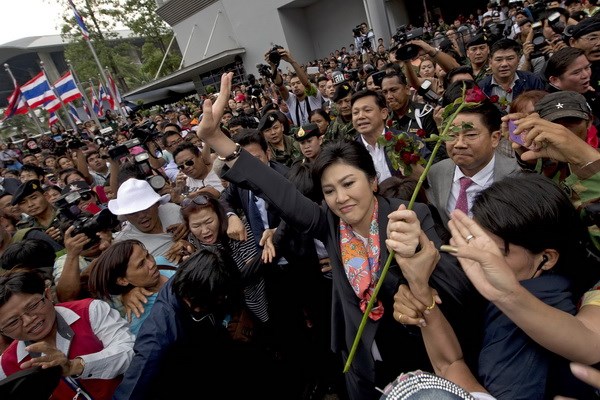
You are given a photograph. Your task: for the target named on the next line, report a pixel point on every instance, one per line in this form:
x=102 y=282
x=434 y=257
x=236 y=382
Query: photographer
x=364 y=39
x=304 y=96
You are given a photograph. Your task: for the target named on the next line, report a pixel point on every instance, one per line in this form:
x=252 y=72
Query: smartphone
x=378 y=78
x=511 y=134
x=312 y=70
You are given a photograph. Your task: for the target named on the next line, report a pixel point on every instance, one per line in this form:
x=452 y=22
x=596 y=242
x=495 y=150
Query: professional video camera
x=145 y=132
x=357 y=32
x=83 y=222
x=72 y=141
x=494 y=31
x=406 y=52
x=105 y=138
x=274 y=55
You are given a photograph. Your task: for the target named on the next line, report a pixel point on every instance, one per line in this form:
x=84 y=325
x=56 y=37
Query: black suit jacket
x=235 y=197
x=401 y=347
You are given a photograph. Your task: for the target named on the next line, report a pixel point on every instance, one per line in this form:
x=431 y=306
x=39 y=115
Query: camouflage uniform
x=339 y=130
x=289 y=154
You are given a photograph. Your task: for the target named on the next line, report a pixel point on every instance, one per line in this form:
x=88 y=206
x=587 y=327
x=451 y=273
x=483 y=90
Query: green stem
x=388 y=262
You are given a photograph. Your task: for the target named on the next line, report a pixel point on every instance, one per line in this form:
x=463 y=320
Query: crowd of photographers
x=186 y=268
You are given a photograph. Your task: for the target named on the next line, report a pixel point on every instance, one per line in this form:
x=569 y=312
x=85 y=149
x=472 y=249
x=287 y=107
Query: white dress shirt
x=378 y=155
x=481 y=180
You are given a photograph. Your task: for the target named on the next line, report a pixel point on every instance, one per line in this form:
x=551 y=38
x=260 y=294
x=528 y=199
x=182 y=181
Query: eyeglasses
x=188 y=163
x=17 y=322
x=466 y=137
x=200 y=200
x=175 y=143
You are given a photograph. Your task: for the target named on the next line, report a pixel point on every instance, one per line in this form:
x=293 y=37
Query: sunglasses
x=200 y=200
x=188 y=163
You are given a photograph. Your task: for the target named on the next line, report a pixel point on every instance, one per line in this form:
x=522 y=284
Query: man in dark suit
x=235 y=198
x=473 y=164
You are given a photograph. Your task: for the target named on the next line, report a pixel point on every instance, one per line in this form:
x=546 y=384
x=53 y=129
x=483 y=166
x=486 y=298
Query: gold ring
x=469 y=238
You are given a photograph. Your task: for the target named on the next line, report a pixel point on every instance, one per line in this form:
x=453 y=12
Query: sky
x=24 y=18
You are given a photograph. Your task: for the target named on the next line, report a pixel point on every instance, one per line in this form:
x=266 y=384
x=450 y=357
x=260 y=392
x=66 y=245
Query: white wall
x=309 y=32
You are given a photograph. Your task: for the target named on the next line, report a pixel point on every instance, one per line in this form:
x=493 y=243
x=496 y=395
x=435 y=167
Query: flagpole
x=29 y=110
x=64 y=107
x=83 y=93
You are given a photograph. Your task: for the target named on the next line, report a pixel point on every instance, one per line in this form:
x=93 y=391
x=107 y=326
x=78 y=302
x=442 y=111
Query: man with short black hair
x=304 y=96
x=41 y=214
x=478 y=52
x=505 y=81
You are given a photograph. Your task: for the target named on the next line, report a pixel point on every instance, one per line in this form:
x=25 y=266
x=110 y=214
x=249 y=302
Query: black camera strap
x=299 y=112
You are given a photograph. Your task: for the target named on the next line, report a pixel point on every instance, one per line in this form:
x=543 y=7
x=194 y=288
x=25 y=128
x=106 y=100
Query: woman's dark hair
x=531 y=211
x=300 y=174
x=214 y=205
x=347 y=152
x=400 y=188
x=560 y=61
x=205 y=277
x=321 y=112
x=110 y=265
x=186 y=146
x=28 y=281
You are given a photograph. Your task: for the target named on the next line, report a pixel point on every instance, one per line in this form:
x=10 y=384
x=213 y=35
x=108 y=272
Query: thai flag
x=97 y=107
x=105 y=96
x=52 y=105
x=74 y=113
x=79 y=20
x=115 y=90
x=53 y=119
x=37 y=91
x=66 y=88
x=16 y=104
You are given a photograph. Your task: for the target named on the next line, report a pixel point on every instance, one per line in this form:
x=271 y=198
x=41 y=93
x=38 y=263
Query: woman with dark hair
x=320 y=118
x=358 y=229
x=122 y=267
x=524 y=251
x=207 y=221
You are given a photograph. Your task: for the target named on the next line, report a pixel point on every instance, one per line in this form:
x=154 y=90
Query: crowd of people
x=230 y=245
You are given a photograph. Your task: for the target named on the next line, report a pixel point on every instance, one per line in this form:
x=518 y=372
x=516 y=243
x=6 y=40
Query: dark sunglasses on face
x=188 y=163
x=199 y=200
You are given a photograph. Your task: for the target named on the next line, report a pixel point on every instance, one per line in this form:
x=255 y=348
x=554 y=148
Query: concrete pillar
x=199 y=86
x=49 y=65
x=378 y=20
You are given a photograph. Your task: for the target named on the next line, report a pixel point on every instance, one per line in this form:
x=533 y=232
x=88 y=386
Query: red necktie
x=461 y=202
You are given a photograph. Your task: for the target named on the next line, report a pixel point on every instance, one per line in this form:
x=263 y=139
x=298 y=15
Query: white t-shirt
x=211 y=180
x=298 y=111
